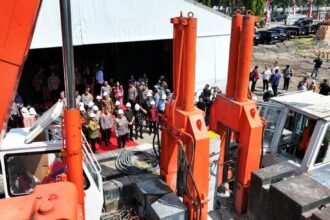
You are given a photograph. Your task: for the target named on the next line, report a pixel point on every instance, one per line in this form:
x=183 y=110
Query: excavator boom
x=17 y=22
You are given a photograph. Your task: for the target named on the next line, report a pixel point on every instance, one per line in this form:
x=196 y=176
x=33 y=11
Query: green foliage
x=256 y=6
x=260 y=8
x=251 y=5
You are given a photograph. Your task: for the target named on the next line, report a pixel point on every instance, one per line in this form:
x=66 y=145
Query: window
x=295 y=136
x=26 y=170
x=323 y=155
x=271 y=114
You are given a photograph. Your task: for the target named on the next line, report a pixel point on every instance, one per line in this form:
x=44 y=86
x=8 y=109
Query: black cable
x=126 y=164
x=187 y=190
x=193 y=179
x=158 y=142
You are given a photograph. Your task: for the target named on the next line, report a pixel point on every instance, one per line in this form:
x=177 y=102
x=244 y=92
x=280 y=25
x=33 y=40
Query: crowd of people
x=271 y=78
x=107 y=109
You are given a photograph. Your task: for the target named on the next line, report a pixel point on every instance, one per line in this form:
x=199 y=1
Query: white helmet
x=128 y=105
x=81 y=104
x=149 y=94
x=95 y=108
x=117 y=103
x=164 y=96
x=152 y=102
x=82 y=109
x=24 y=110
x=98 y=97
x=137 y=107
x=105 y=94
x=90 y=104
x=92 y=115
x=32 y=111
x=120 y=112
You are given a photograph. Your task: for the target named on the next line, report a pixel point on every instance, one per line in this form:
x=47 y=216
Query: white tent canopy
x=111 y=21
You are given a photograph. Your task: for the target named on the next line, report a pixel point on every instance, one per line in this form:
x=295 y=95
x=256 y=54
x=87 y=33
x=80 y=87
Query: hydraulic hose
x=128 y=163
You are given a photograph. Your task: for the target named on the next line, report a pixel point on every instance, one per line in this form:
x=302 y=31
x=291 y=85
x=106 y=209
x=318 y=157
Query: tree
x=256 y=6
x=260 y=8
x=319 y=3
x=251 y=5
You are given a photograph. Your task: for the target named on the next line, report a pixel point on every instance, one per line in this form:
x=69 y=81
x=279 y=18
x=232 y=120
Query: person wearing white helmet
x=24 y=110
x=161 y=104
x=87 y=97
x=152 y=117
x=106 y=123
x=90 y=104
x=117 y=107
x=146 y=103
x=130 y=118
x=82 y=109
x=98 y=102
x=81 y=104
x=107 y=103
x=139 y=116
x=93 y=130
x=268 y=94
x=121 y=128
x=95 y=108
x=32 y=111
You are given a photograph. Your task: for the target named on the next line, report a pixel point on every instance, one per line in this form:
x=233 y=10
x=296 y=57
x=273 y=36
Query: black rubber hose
x=125 y=164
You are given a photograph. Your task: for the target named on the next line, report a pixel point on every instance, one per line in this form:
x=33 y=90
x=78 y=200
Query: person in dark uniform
x=130 y=118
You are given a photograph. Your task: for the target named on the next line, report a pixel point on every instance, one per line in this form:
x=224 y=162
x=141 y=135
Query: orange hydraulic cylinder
x=244 y=59
x=189 y=65
x=175 y=55
x=74 y=157
x=235 y=39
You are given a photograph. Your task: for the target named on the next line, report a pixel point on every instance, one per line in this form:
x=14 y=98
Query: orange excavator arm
x=17 y=22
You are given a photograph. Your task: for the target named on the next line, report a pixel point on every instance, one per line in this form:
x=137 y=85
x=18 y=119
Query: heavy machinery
x=236 y=118
x=294 y=183
x=29 y=158
x=27 y=163
x=184 y=134
x=297 y=130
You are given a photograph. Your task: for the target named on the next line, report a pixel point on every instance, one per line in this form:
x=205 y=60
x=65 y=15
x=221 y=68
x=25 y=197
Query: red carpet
x=100 y=148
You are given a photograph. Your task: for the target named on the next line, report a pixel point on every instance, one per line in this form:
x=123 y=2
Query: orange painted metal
x=236 y=31
x=244 y=59
x=241 y=116
x=17 y=21
x=48 y=201
x=189 y=65
x=183 y=127
x=74 y=157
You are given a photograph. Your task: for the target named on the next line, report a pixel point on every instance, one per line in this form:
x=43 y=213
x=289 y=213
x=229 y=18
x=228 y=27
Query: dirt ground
x=299 y=53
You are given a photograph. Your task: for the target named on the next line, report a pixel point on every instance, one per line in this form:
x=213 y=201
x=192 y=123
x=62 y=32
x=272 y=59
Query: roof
x=14 y=140
x=308 y=103
x=110 y=21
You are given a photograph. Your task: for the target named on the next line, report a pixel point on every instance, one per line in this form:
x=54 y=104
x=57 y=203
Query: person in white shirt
x=265 y=78
x=275 y=67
